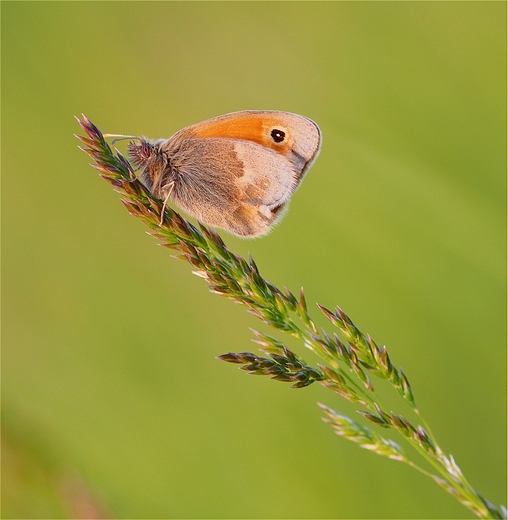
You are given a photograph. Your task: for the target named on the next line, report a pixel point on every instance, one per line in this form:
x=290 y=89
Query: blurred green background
x=113 y=403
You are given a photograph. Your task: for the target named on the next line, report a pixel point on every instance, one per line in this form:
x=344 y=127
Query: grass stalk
x=349 y=357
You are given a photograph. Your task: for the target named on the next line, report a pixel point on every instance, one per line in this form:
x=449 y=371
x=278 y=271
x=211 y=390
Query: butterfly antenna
x=120 y=137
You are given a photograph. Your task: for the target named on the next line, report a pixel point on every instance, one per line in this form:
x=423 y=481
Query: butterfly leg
x=170 y=186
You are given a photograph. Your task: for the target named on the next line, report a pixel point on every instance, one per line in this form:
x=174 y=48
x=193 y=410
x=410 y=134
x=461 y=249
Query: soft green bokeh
x=109 y=345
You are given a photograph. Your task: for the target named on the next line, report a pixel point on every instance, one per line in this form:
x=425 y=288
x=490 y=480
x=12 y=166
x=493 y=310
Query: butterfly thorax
x=154 y=161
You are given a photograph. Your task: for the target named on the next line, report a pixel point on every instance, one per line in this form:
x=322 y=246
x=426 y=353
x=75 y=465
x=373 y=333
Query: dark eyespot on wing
x=278 y=135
